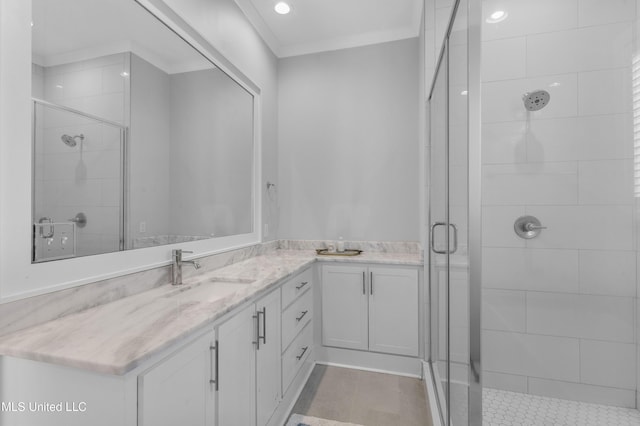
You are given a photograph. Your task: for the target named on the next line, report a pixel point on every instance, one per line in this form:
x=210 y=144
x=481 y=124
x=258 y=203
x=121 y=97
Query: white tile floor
x=502 y=408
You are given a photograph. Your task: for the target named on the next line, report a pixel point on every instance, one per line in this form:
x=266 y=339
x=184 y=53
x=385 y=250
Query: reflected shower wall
x=78 y=179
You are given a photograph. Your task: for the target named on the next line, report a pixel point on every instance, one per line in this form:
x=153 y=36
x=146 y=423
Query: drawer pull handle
x=262 y=312
x=257 y=320
x=299 y=357
x=264 y=324
x=303 y=313
x=302 y=284
x=215 y=368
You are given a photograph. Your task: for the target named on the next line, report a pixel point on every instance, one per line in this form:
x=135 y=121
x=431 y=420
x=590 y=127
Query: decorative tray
x=326 y=252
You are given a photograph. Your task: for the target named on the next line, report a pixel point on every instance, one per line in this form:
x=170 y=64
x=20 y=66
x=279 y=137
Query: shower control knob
x=80 y=220
x=531 y=227
x=528 y=227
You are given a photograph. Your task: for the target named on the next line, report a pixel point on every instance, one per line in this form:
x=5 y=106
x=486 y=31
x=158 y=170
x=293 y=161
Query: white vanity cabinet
x=249 y=364
x=371 y=308
x=345 y=302
x=234 y=371
x=180 y=389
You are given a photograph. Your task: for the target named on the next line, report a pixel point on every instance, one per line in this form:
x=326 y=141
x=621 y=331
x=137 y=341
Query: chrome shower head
x=536 y=100
x=68 y=140
x=71 y=140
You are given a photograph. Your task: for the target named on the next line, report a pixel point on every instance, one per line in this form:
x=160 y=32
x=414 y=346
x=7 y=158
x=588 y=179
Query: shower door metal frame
x=441 y=66
x=474 y=213
x=124 y=135
x=474 y=218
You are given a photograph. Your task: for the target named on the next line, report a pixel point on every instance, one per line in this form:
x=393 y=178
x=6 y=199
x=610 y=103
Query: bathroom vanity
x=231 y=346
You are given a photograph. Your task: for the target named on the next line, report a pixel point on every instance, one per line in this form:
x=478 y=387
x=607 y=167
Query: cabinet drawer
x=295 y=317
x=296 y=355
x=297 y=285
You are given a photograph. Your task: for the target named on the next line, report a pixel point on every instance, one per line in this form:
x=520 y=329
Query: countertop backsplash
x=24 y=313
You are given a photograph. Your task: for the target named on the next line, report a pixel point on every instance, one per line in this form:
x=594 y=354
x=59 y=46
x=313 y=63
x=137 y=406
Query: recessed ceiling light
x=464 y=93
x=31 y=24
x=59 y=86
x=124 y=74
x=282 y=8
x=497 y=16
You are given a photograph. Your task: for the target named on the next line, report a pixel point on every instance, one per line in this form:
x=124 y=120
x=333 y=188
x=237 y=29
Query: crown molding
x=348 y=42
x=258 y=23
x=284 y=51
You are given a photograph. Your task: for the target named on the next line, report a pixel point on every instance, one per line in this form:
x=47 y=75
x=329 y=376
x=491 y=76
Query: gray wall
x=149 y=144
x=226 y=27
x=211 y=155
x=348 y=149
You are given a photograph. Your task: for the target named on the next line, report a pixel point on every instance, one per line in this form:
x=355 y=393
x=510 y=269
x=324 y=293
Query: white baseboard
x=369 y=361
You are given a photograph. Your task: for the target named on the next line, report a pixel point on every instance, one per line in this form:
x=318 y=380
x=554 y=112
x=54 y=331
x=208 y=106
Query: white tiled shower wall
x=559 y=311
x=69 y=181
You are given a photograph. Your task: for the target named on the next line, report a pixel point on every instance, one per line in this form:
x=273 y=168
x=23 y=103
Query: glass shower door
x=458 y=188
x=449 y=219
x=439 y=241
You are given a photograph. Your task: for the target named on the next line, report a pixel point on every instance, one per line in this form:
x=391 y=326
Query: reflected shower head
x=71 y=140
x=536 y=100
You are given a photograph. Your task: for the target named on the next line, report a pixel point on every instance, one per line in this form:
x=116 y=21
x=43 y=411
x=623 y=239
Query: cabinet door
x=393 y=311
x=177 y=390
x=268 y=357
x=344 y=307
x=236 y=370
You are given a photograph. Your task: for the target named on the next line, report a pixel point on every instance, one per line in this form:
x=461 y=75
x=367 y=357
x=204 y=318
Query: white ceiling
x=321 y=25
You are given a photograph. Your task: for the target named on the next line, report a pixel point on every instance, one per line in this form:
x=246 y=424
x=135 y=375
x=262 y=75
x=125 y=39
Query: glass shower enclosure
x=533 y=208
x=78 y=178
x=454 y=363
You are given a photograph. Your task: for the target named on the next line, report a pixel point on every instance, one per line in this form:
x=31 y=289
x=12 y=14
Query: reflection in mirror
x=138 y=139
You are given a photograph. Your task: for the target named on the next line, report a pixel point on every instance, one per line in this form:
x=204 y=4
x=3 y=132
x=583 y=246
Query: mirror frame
x=19 y=278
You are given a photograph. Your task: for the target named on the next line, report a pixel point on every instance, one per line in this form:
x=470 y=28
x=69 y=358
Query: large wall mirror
x=138 y=139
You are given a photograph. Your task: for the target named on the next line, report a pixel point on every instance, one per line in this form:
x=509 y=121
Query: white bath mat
x=298 y=420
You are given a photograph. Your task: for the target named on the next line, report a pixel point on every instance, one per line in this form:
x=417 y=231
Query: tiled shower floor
x=502 y=408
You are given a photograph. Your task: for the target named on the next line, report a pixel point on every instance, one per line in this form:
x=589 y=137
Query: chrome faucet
x=176 y=265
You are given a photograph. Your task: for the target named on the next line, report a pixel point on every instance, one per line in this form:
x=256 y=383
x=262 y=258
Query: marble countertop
x=117 y=337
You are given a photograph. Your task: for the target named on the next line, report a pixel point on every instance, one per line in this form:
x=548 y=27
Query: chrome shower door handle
x=433 y=239
x=455 y=238
x=41 y=225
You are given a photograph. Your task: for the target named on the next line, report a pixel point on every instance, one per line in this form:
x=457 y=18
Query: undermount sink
x=208 y=290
